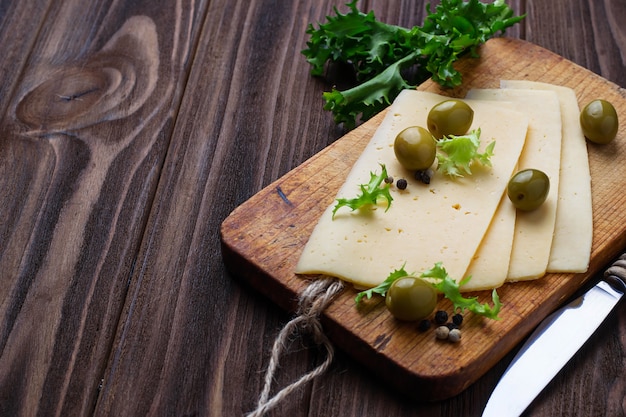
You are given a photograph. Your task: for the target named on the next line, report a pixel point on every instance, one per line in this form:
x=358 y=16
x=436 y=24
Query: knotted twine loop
x=313 y=300
x=616 y=273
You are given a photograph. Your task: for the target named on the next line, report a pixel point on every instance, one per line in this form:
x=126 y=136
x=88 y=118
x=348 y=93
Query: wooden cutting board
x=263 y=238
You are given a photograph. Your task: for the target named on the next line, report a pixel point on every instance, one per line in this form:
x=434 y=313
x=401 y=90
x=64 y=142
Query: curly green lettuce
x=457 y=154
x=383 y=287
x=439 y=278
x=381 y=53
x=451 y=290
x=370 y=194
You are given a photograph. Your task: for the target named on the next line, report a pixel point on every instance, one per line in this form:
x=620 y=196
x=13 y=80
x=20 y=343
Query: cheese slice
x=573 y=234
x=490 y=265
x=532 y=241
x=441 y=222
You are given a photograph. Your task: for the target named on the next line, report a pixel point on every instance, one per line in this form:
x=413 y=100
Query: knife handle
x=615 y=275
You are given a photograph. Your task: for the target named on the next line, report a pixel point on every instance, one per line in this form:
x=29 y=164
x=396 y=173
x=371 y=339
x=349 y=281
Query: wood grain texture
x=83 y=143
x=113 y=295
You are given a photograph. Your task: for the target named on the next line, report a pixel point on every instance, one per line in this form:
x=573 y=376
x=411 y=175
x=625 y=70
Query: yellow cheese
x=573 y=234
x=534 y=230
x=441 y=222
x=490 y=265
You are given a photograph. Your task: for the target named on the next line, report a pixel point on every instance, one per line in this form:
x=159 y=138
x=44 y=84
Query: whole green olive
x=411 y=298
x=528 y=189
x=415 y=148
x=450 y=117
x=599 y=121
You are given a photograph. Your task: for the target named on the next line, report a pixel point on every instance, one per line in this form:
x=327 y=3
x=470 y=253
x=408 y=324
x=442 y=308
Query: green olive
x=411 y=299
x=415 y=148
x=599 y=121
x=450 y=117
x=528 y=189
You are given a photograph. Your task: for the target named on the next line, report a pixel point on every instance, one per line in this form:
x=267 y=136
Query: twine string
x=313 y=300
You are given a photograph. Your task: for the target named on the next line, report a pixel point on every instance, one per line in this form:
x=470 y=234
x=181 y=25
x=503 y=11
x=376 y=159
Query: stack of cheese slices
x=468 y=224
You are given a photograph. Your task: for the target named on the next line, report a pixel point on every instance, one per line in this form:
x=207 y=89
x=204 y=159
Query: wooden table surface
x=130 y=130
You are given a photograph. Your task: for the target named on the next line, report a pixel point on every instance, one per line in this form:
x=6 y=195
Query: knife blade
x=553 y=343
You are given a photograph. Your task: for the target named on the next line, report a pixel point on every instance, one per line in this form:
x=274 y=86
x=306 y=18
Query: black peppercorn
x=423 y=176
x=401 y=184
x=424 y=325
x=441 y=317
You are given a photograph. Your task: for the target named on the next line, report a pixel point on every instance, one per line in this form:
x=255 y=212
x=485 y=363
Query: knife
x=554 y=342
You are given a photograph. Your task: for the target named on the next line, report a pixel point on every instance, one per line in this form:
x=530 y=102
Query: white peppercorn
x=442 y=332
x=454 y=335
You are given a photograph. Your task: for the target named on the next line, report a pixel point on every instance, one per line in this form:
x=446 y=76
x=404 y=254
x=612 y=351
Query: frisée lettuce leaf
x=439 y=278
x=382 y=54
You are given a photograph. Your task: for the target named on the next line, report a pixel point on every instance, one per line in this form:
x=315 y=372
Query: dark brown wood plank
x=252 y=144
x=191 y=339
x=250 y=122
x=83 y=141
x=20 y=23
x=589 y=33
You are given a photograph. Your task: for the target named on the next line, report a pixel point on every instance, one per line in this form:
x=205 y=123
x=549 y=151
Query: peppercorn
x=389 y=180
x=441 y=317
x=442 y=332
x=401 y=184
x=423 y=176
x=454 y=335
x=457 y=319
x=451 y=326
x=424 y=325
